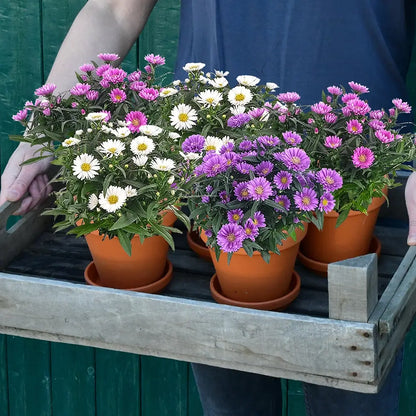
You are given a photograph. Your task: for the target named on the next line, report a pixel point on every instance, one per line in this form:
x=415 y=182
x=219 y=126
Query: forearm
x=101 y=26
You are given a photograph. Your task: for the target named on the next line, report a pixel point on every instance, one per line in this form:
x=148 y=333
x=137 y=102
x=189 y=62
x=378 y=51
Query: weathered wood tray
x=325 y=337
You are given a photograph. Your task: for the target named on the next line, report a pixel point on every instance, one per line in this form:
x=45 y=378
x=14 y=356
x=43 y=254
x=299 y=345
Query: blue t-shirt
x=303 y=45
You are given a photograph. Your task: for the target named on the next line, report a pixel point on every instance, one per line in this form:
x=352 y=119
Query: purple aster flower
x=232 y=158
x=354 y=127
x=321 y=108
x=330 y=179
x=283 y=201
x=327 y=202
x=268 y=140
x=358 y=107
x=259 y=189
x=358 y=88
x=80 y=89
x=251 y=230
x=259 y=219
x=193 y=144
x=21 y=115
x=241 y=191
x=246 y=145
x=134 y=120
x=230 y=237
x=333 y=142
x=402 y=106
x=117 y=95
x=114 y=75
x=362 y=157
x=306 y=199
x=244 y=168
x=137 y=85
x=257 y=112
x=205 y=199
x=209 y=188
x=384 y=136
x=295 y=159
x=306 y=180
x=288 y=97
x=45 y=90
x=227 y=147
x=238 y=120
x=283 y=180
x=264 y=168
x=235 y=215
x=149 y=94
x=225 y=198
x=334 y=90
x=154 y=59
x=108 y=57
x=208 y=233
x=214 y=165
x=291 y=138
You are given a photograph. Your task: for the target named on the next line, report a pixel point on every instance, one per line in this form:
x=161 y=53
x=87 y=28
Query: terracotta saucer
x=92 y=278
x=197 y=245
x=321 y=268
x=269 y=305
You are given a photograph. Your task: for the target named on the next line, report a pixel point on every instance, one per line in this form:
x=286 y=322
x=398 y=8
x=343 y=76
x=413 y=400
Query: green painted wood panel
x=72 y=380
x=4 y=391
x=29 y=381
x=117 y=383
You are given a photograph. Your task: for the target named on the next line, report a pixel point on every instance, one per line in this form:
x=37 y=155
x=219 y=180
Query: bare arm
x=101 y=26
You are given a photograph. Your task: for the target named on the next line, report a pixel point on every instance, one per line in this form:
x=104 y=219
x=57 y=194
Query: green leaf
x=125 y=241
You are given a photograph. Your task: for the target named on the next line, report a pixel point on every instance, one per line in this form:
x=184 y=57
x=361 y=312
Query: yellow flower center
x=244 y=192
x=211 y=147
x=112 y=199
x=283 y=179
x=306 y=200
x=362 y=158
x=210 y=100
x=183 y=117
x=86 y=167
x=329 y=180
x=142 y=146
x=296 y=159
x=248 y=231
x=236 y=217
x=324 y=202
x=231 y=237
x=259 y=190
x=240 y=97
x=112 y=149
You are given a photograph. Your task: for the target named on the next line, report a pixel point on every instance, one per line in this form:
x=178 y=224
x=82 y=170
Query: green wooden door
x=39 y=378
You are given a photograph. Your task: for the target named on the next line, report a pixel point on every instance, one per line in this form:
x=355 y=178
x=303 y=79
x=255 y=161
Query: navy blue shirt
x=303 y=45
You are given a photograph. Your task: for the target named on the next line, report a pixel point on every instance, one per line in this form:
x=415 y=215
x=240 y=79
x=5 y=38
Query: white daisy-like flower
x=219 y=82
x=167 y=92
x=203 y=80
x=190 y=155
x=106 y=129
x=150 y=130
x=183 y=117
x=237 y=109
x=96 y=116
x=142 y=145
x=85 y=166
x=140 y=160
x=248 y=80
x=221 y=74
x=112 y=147
x=213 y=143
x=227 y=139
x=271 y=86
x=239 y=95
x=209 y=98
x=113 y=199
x=70 y=141
x=121 y=123
x=121 y=132
x=164 y=164
x=193 y=66
x=92 y=202
x=79 y=132
x=171 y=180
x=130 y=191
x=265 y=116
x=177 y=82
x=89 y=130
x=173 y=135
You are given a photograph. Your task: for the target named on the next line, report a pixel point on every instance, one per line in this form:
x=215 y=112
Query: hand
x=410 y=194
x=17 y=180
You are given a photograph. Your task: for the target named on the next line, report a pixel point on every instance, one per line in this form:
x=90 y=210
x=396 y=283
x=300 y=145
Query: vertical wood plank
x=164 y=387
x=4 y=390
x=117 y=383
x=194 y=403
x=73 y=380
x=28 y=377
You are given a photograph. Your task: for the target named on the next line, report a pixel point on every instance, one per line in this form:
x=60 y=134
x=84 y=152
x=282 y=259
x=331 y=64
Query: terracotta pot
x=351 y=239
x=117 y=269
x=251 y=279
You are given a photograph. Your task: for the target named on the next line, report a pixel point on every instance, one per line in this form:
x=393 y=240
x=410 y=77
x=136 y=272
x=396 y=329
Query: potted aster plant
x=254 y=193
x=121 y=177
x=366 y=146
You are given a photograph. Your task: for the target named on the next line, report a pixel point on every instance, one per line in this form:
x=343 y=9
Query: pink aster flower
x=102 y=68
x=402 y=106
x=288 y=97
x=117 y=95
x=235 y=215
x=137 y=85
x=282 y=118
x=108 y=57
x=45 y=90
x=354 y=127
x=362 y=157
x=149 y=94
x=295 y=158
x=259 y=219
x=358 y=107
x=259 y=189
x=350 y=96
x=282 y=180
x=47 y=111
x=292 y=138
x=321 y=108
x=230 y=237
x=21 y=115
x=331 y=118
x=134 y=120
x=384 y=136
x=92 y=95
x=135 y=76
x=306 y=199
x=376 y=124
x=80 y=89
x=334 y=90
x=154 y=59
x=251 y=230
x=114 y=75
x=377 y=114
x=87 y=68
x=327 y=202
x=330 y=179
x=358 y=88
x=332 y=142
x=257 y=112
